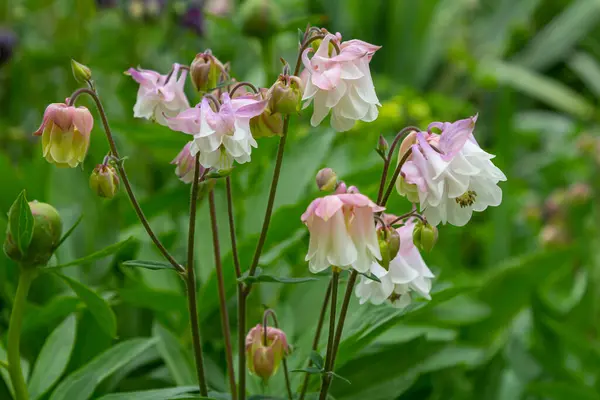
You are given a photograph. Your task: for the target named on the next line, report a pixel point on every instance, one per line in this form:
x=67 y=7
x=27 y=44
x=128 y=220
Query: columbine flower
x=342 y=232
x=453 y=175
x=264 y=358
x=407 y=273
x=222 y=136
x=159 y=96
x=65 y=132
x=341 y=83
x=185 y=163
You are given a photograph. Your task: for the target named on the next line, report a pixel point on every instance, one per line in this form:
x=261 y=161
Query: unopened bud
x=424 y=236
x=82 y=73
x=382 y=146
x=47 y=230
x=260 y=18
x=104 y=181
x=266 y=124
x=407 y=144
x=389 y=245
x=263 y=356
x=285 y=95
x=205 y=71
x=326 y=180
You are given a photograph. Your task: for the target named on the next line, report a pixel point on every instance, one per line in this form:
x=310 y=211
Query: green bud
x=389 y=245
x=47 y=230
x=221 y=173
x=82 y=73
x=424 y=236
x=260 y=18
x=104 y=181
x=382 y=145
x=326 y=180
x=285 y=95
x=266 y=124
x=205 y=71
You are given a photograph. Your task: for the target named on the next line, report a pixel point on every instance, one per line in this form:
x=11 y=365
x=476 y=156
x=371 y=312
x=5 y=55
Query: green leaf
x=309 y=370
x=260 y=277
x=113 y=248
x=339 y=376
x=153 y=265
x=70 y=231
x=82 y=383
x=20 y=222
x=538 y=86
x=4 y=372
x=588 y=70
x=98 y=307
x=370 y=276
x=175 y=356
x=53 y=358
x=563 y=391
x=157 y=394
x=316 y=358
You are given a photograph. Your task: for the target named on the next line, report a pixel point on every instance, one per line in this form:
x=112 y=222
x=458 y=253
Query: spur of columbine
x=449 y=174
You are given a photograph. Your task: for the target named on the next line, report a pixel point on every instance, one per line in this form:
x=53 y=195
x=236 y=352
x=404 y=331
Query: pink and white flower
x=159 y=96
x=342 y=232
x=185 y=163
x=341 y=83
x=407 y=273
x=453 y=175
x=220 y=136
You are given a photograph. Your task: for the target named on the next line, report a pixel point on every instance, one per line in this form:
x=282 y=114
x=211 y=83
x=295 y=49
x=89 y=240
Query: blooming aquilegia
x=159 y=96
x=451 y=174
x=406 y=273
x=342 y=232
x=341 y=83
x=220 y=136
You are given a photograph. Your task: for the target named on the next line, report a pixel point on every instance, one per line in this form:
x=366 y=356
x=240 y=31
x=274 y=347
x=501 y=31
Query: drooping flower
x=341 y=83
x=342 y=232
x=451 y=174
x=407 y=273
x=159 y=96
x=264 y=358
x=185 y=163
x=65 y=132
x=220 y=136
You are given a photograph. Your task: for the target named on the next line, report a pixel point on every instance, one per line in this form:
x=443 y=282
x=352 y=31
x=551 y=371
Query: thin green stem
x=241 y=297
x=394 y=178
x=222 y=295
x=316 y=339
x=123 y=174
x=27 y=275
x=190 y=276
x=330 y=342
x=234 y=249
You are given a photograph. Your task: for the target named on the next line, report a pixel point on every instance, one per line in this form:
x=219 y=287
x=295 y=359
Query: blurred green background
x=515 y=313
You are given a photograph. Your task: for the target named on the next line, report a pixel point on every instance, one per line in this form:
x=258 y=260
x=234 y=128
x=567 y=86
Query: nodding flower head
x=263 y=356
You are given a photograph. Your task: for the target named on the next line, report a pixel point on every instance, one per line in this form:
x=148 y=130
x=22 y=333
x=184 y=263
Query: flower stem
x=388 y=192
x=123 y=174
x=330 y=342
x=234 y=249
x=241 y=297
x=316 y=339
x=190 y=276
x=222 y=298
x=27 y=275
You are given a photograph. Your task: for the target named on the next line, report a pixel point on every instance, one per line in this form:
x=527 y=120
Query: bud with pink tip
x=263 y=356
x=327 y=180
x=104 y=181
x=185 y=163
x=65 y=132
x=205 y=71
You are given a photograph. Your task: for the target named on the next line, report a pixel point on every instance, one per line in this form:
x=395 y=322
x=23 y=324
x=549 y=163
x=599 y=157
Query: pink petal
x=454 y=136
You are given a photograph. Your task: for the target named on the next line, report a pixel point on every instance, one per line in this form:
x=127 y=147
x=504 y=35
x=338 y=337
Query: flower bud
x=264 y=357
x=104 y=181
x=205 y=71
x=406 y=144
x=47 y=230
x=382 y=146
x=424 y=236
x=285 y=95
x=260 y=18
x=266 y=124
x=65 y=132
x=326 y=180
x=81 y=72
x=409 y=190
x=389 y=245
